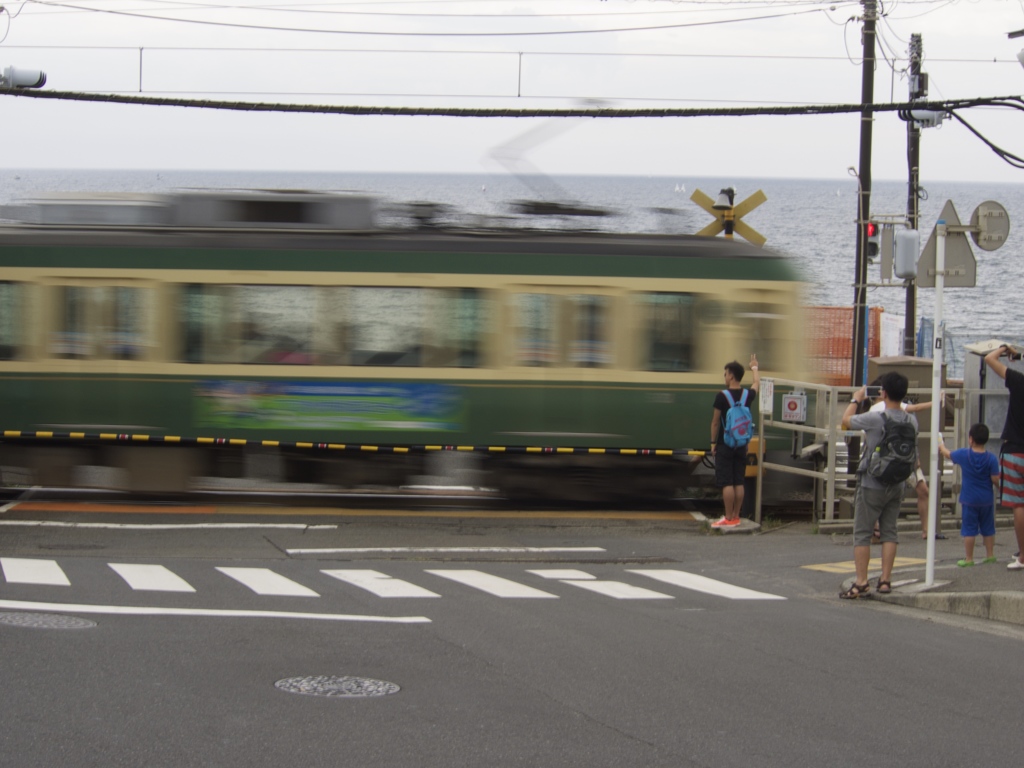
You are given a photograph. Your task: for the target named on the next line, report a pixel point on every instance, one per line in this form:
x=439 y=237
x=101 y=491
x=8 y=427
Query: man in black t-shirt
x=731 y=463
x=1011 y=458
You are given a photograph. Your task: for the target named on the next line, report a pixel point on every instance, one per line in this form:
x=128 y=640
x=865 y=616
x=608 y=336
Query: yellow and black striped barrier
x=120 y=437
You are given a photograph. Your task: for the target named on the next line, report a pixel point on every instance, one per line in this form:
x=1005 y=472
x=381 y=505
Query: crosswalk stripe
x=494 y=585
x=706 y=585
x=379 y=583
x=562 y=573
x=23 y=570
x=144 y=610
x=618 y=589
x=151 y=578
x=264 y=581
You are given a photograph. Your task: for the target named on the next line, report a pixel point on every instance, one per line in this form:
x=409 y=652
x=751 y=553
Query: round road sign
x=990 y=225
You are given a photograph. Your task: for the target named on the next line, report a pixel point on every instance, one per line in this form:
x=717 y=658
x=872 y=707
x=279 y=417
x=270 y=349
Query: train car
x=255 y=318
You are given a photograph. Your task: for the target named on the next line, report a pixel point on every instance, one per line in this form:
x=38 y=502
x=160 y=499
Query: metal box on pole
x=906 y=250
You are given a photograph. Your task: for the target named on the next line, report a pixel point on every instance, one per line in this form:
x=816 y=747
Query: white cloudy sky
x=461 y=53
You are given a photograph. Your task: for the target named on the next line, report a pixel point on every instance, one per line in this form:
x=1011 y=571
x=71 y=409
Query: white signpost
x=989 y=227
x=766 y=396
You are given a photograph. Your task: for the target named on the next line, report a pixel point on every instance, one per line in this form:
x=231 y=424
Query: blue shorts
x=977 y=518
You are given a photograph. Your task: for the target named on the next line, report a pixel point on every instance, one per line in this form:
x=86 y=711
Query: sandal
x=855 y=591
x=884 y=587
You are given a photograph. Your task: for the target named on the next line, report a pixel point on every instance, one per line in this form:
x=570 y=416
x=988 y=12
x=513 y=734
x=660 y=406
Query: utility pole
x=859 y=371
x=918 y=90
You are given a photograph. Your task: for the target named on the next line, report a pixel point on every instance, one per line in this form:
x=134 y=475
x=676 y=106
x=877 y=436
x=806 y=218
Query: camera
x=873 y=392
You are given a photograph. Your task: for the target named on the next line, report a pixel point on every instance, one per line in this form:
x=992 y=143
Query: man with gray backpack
x=890 y=457
x=732 y=426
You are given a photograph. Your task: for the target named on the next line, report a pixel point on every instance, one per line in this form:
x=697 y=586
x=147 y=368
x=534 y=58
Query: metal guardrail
x=824 y=424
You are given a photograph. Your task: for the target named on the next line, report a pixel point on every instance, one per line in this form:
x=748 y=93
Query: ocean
x=813 y=221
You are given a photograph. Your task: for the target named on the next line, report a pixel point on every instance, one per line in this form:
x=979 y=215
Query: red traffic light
x=871 y=229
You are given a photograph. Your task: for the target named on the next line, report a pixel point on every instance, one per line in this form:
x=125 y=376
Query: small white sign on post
x=767 y=395
x=794 y=408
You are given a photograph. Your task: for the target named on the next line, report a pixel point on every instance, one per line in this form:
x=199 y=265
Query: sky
x=464 y=53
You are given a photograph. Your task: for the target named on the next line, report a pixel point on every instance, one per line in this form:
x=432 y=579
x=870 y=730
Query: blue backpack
x=739 y=424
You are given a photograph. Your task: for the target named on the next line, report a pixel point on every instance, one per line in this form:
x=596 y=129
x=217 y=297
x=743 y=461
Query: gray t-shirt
x=873 y=425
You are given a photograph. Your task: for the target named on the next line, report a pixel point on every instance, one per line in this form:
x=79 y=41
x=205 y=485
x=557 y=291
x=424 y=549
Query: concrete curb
x=948 y=524
x=1007 y=607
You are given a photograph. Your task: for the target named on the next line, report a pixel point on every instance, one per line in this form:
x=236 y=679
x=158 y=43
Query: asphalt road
x=589 y=649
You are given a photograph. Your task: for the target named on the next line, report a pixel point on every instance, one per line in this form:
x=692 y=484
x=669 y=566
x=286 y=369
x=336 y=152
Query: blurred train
x=298 y=317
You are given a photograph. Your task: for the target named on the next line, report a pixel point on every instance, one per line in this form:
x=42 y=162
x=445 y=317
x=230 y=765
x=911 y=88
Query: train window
x=459 y=319
x=205 y=332
x=589 y=345
x=764 y=325
x=712 y=313
x=385 y=326
x=100 y=321
x=260 y=324
x=274 y=324
x=535 y=326
x=71 y=339
x=11 y=320
x=670 y=329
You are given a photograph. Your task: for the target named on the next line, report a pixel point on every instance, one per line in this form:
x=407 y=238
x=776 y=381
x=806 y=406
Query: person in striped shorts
x=1011 y=460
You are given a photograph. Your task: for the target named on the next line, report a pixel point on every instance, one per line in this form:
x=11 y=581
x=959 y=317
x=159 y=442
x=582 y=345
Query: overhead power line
x=380 y=33
x=950 y=105
x=317 y=8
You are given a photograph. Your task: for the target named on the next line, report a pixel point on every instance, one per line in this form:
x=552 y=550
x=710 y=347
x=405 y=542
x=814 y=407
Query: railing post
x=830 y=470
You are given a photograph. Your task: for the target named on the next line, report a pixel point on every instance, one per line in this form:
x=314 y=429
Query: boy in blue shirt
x=979 y=471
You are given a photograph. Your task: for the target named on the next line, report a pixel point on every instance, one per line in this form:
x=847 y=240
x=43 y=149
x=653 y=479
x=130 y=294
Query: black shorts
x=730 y=465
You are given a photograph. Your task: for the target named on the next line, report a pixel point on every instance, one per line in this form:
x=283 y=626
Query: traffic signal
x=874 y=238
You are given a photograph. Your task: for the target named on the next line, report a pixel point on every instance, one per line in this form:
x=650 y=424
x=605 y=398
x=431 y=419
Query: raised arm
x=757 y=373
x=915 y=407
x=851 y=410
x=993 y=362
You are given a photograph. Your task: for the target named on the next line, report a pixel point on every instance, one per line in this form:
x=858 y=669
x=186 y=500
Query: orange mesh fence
x=829 y=335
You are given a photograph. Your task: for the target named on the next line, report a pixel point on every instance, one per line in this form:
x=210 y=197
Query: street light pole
x=917 y=91
x=859 y=369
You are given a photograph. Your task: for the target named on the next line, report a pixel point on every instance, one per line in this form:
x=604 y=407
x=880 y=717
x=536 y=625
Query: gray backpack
x=895 y=457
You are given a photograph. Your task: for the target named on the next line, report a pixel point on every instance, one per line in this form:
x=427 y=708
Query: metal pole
x=935 y=490
x=760 y=469
x=859 y=371
x=917 y=91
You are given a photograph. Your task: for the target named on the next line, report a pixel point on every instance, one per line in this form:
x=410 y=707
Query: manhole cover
x=345 y=687
x=45 y=621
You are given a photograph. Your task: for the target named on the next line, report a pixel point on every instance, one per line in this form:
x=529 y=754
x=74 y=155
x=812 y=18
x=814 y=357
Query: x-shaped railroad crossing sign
x=735 y=214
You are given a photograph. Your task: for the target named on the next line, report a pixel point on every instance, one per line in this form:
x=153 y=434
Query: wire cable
x=186 y=5
x=377 y=33
x=1015 y=160
x=599 y=112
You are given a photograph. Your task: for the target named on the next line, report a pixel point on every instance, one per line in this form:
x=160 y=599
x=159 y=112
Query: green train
x=258 y=319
